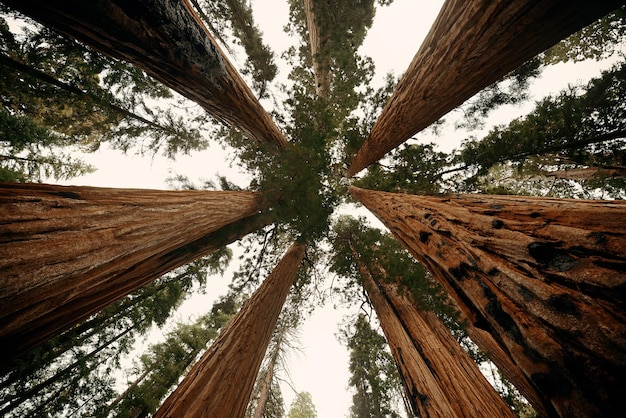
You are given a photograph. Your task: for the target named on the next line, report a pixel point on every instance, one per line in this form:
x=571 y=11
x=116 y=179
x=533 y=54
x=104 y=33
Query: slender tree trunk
x=544 y=276
x=321 y=63
x=166 y=39
x=103 y=102
x=67 y=252
x=266 y=383
x=443 y=368
x=589 y=173
x=124 y=395
x=471 y=45
x=220 y=384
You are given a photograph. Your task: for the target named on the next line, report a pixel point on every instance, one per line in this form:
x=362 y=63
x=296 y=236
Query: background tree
x=302 y=407
x=27 y=381
x=373 y=374
x=166 y=363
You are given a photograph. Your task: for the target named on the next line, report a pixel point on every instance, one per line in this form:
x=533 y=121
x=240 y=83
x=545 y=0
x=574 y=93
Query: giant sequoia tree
x=539 y=280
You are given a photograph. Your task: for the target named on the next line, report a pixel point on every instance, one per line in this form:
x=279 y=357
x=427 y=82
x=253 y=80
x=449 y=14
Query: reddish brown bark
x=220 y=384
x=470 y=46
x=544 y=276
x=439 y=378
x=67 y=252
x=501 y=357
x=321 y=65
x=168 y=41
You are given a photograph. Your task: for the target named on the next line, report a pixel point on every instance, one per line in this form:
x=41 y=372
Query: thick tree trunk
x=470 y=46
x=220 y=384
x=67 y=252
x=431 y=362
x=544 y=276
x=166 y=39
x=321 y=63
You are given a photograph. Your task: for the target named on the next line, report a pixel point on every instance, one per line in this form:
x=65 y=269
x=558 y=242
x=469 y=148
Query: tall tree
x=436 y=373
x=167 y=40
x=221 y=382
x=60 y=95
x=373 y=373
x=86 y=247
x=543 y=276
x=87 y=380
x=166 y=362
x=469 y=47
x=302 y=406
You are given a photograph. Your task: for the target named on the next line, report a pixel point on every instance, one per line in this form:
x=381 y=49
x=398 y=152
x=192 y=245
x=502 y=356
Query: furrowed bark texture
x=545 y=277
x=424 y=393
x=431 y=362
x=67 y=252
x=501 y=357
x=321 y=65
x=471 y=45
x=221 y=383
x=168 y=41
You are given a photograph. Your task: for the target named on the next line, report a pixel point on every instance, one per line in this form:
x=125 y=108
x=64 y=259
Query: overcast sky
x=321 y=366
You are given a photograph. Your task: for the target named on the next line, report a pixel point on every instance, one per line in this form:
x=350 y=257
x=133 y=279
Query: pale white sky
x=321 y=366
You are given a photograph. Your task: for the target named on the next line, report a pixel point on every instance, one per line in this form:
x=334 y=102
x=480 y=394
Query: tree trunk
x=166 y=39
x=544 y=276
x=500 y=356
x=431 y=362
x=589 y=173
x=67 y=252
x=321 y=64
x=266 y=383
x=220 y=384
x=470 y=46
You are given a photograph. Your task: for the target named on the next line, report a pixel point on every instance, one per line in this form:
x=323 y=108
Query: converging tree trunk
x=544 y=276
x=67 y=252
x=220 y=384
x=439 y=378
x=321 y=60
x=471 y=45
x=166 y=39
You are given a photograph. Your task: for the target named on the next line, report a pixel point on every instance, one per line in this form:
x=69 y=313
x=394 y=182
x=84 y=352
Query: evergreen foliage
x=302 y=407
x=373 y=375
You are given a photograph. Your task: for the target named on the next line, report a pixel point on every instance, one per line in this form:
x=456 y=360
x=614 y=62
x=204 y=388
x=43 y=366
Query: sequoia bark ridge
x=471 y=45
x=221 y=383
x=66 y=252
x=545 y=277
x=167 y=40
